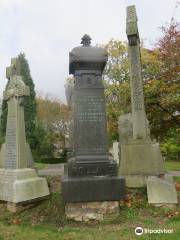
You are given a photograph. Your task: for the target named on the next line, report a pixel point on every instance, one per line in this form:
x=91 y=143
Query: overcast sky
x=46 y=30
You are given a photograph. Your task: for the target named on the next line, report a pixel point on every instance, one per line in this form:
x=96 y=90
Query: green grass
x=39 y=166
x=47 y=221
x=24 y=232
x=172 y=166
x=177 y=179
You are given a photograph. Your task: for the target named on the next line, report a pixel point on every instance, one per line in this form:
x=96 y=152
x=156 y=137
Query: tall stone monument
x=140 y=157
x=18 y=182
x=91 y=174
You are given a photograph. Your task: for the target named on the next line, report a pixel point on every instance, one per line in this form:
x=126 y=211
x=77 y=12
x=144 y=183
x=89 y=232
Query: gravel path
x=174 y=173
x=52 y=170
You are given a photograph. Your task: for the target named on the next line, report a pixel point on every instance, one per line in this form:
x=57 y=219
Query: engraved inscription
x=93 y=169
x=10 y=157
x=137 y=89
x=90 y=123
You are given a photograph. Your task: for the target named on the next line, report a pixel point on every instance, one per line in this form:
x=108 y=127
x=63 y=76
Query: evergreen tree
x=3 y=119
x=29 y=103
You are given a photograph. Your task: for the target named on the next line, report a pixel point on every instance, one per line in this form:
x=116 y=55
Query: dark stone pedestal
x=91 y=175
x=92 y=189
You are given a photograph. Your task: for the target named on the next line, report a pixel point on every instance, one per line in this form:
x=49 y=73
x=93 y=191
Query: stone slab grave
x=90 y=175
x=161 y=191
x=18 y=181
x=140 y=157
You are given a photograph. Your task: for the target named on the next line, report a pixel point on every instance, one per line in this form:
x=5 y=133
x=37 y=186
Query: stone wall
x=91 y=210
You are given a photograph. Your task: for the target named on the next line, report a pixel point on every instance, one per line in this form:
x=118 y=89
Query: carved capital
x=131 y=26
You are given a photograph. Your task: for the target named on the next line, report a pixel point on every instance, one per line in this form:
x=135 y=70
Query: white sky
x=46 y=30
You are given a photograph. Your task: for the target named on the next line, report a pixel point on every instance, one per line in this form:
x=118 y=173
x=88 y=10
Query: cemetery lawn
x=40 y=165
x=46 y=220
x=172 y=166
x=169 y=165
x=111 y=232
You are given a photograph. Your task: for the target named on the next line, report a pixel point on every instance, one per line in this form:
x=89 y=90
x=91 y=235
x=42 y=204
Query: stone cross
x=14 y=69
x=137 y=98
x=16 y=146
x=19 y=183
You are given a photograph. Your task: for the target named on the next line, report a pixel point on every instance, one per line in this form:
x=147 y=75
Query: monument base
x=22 y=206
x=20 y=185
x=140 y=159
x=135 y=181
x=92 y=189
x=85 y=211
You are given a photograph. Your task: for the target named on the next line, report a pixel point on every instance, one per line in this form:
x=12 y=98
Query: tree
x=117 y=89
x=160 y=72
x=162 y=91
x=30 y=101
x=170 y=145
x=29 y=104
x=44 y=143
x=53 y=117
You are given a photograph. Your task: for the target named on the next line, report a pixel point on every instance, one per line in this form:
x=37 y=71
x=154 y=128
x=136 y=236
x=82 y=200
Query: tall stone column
x=18 y=182
x=137 y=97
x=140 y=157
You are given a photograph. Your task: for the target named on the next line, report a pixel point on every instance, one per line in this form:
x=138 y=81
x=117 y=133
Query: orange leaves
x=169 y=45
x=16 y=221
x=177 y=185
x=134 y=198
x=160 y=72
x=172 y=213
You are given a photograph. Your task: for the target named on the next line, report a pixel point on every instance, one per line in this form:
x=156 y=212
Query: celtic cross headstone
x=16 y=146
x=18 y=181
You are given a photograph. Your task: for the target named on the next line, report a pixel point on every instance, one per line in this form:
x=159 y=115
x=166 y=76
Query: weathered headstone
x=18 y=183
x=91 y=175
x=140 y=157
x=161 y=191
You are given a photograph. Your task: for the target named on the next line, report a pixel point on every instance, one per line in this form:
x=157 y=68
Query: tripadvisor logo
x=139 y=231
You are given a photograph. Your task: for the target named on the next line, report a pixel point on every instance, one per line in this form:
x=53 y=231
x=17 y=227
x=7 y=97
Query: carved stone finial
x=14 y=69
x=86 y=40
x=131 y=26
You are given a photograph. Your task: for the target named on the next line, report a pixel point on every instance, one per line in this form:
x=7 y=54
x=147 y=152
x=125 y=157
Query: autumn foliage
x=160 y=72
